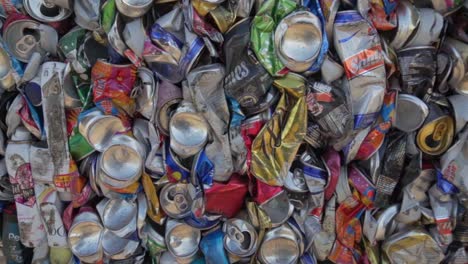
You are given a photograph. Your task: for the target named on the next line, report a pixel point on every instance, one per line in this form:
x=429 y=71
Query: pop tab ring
x=298 y=40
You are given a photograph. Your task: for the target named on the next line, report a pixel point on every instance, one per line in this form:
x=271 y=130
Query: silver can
x=122 y=160
x=188 y=132
x=24 y=37
x=176 y=199
x=46 y=11
x=410 y=113
x=278 y=208
x=279 y=246
x=118 y=215
x=298 y=39
x=240 y=238
x=98 y=129
x=85 y=236
x=133 y=8
x=116 y=247
x=181 y=239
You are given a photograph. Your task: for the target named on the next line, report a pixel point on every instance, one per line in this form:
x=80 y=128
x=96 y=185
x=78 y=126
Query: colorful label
x=364 y=61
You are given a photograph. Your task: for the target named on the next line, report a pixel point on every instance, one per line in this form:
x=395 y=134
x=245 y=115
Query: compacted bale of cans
x=234 y=131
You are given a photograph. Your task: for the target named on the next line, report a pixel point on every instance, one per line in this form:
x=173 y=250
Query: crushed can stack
x=234 y=131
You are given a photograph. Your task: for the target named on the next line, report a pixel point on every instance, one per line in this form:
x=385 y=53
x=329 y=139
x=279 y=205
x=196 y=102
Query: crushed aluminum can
x=278 y=208
x=46 y=11
x=408 y=20
x=457 y=50
x=33 y=37
x=31 y=228
x=459 y=105
x=85 y=236
x=118 y=216
x=169 y=96
x=176 y=199
x=298 y=39
x=133 y=8
x=98 y=128
x=279 y=246
x=361 y=54
x=410 y=113
x=181 y=239
x=189 y=133
x=436 y=134
x=246 y=80
x=329 y=109
x=121 y=163
x=116 y=247
x=401 y=247
x=240 y=238
x=430 y=27
x=418 y=69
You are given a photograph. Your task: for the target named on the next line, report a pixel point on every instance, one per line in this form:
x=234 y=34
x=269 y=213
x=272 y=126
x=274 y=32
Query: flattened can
x=181 y=239
x=176 y=199
x=358 y=46
x=240 y=238
x=32 y=231
x=279 y=246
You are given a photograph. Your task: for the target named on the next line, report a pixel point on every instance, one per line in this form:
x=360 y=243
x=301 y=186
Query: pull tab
x=235 y=234
x=181 y=202
x=26 y=44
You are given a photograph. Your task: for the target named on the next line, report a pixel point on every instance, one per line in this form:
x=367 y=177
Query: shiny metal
x=331 y=70
x=298 y=39
x=429 y=29
x=295 y=182
x=410 y=113
x=279 y=246
x=181 y=239
x=134 y=35
x=278 y=208
x=116 y=247
x=413 y=246
x=7 y=79
x=98 y=129
x=145 y=93
x=176 y=199
x=240 y=238
x=46 y=10
x=460 y=110
x=85 y=236
x=24 y=37
x=87 y=14
x=123 y=159
x=408 y=21
x=343 y=190
x=118 y=215
x=385 y=225
x=133 y=8
x=169 y=96
x=458 y=51
x=188 y=132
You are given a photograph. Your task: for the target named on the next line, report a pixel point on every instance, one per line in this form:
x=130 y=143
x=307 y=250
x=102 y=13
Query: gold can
x=275 y=147
x=223 y=18
x=436 y=134
x=202 y=7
